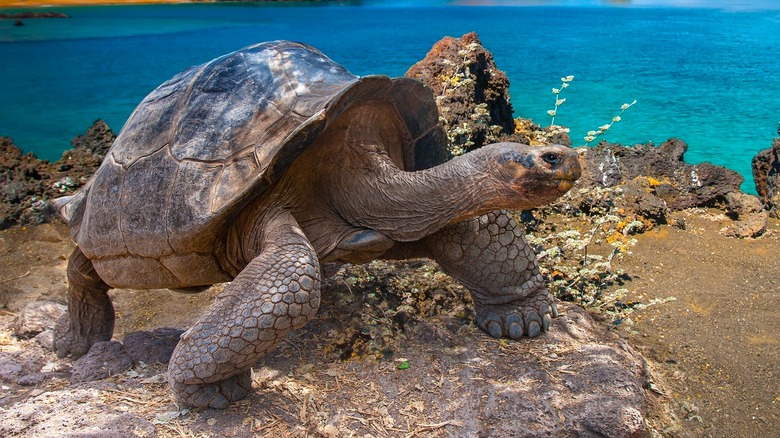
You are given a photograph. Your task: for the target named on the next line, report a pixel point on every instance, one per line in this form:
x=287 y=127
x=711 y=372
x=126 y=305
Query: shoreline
x=15 y=4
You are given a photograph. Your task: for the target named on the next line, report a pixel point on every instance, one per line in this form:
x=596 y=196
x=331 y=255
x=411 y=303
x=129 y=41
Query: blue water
x=703 y=71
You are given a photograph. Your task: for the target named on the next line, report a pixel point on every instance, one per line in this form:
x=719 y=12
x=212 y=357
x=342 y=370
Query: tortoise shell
x=206 y=142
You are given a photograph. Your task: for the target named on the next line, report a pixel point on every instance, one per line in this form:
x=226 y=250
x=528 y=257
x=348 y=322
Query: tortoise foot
x=527 y=316
x=216 y=395
x=69 y=342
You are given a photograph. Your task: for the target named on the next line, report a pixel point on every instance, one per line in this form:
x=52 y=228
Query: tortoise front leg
x=490 y=256
x=90 y=316
x=277 y=292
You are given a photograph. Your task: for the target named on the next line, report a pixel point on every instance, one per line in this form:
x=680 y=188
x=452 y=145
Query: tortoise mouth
x=560 y=185
x=563 y=184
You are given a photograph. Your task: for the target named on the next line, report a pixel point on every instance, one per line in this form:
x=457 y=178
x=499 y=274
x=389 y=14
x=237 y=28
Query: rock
x=45 y=339
x=103 y=360
x=18 y=363
x=750 y=219
x=27 y=184
x=10 y=368
x=680 y=185
x=471 y=92
x=73 y=412
x=31 y=14
x=595 y=388
x=97 y=140
x=766 y=173
x=38 y=378
x=36 y=317
x=639 y=197
x=152 y=347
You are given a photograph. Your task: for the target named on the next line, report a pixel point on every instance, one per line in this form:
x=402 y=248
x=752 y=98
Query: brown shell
x=209 y=140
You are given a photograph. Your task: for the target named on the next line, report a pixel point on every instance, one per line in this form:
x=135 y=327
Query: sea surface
x=703 y=71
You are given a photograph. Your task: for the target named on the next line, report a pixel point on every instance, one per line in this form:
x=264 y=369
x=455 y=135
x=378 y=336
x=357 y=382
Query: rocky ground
x=683 y=343
x=666 y=272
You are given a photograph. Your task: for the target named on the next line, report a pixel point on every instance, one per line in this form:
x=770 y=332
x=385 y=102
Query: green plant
x=565 y=81
x=592 y=135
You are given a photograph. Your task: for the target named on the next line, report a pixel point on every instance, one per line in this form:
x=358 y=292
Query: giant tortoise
x=262 y=165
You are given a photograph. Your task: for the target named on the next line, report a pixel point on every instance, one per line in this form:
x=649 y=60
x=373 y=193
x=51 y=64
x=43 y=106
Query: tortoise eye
x=552 y=159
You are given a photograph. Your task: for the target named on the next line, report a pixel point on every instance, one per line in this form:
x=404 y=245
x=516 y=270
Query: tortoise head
x=531 y=176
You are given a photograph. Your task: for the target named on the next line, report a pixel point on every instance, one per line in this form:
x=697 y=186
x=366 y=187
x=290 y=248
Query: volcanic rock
x=766 y=173
x=27 y=184
x=104 y=359
x=152 y=347
x=669 y=178
x=471 y=92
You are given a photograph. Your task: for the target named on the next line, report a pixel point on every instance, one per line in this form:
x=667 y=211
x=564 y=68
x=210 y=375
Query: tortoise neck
x=407 y=206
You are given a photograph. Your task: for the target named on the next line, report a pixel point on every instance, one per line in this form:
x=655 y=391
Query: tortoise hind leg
x=277 y=292
x=90 y=316
x=490 y=256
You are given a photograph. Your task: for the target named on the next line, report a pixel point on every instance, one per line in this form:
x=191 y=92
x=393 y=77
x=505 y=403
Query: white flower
x=551 y=113
x=591 y=133
x=559 y=102
x=590 y=138
x=567 y=79
x=616 y=119
x=604 y=127
x=564 y=85
x=556 y=90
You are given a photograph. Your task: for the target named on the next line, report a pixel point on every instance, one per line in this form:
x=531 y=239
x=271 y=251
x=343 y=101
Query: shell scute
x=191 y=208
x=143 y=222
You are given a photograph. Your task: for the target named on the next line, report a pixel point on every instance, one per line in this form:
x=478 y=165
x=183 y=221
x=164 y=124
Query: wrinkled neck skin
x=407 y=206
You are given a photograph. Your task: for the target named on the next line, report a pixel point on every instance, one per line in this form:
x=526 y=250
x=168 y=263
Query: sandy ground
x=714 y=337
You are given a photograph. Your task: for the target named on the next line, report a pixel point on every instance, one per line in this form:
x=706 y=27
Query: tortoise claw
x=527 y=316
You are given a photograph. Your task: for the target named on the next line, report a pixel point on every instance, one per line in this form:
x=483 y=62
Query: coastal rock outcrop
x=31 y=14
x=28 y=183
x=650 y=181
x=766 y=173
x=471 y=92
x=679 y=184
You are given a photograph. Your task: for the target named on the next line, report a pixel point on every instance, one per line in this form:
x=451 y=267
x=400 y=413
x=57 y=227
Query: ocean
x=702 y=71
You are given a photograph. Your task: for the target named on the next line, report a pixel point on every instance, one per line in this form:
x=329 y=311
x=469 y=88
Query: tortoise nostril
x=551 y=158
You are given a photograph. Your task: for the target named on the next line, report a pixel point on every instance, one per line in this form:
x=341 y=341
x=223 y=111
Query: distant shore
x=44 y=3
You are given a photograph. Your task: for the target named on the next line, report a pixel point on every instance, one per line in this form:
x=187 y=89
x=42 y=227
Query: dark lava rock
x=680 y=185
x=638 y=197
x=471 y=92
x=27 y=184
x=766 y=173
x=31 y=14
x=104 y=359
x=152 y=347
x=10 y=368
x=97 y=140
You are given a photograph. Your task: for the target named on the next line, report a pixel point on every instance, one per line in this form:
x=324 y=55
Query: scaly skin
x=90 y=316
x=277 y=292
x=490 y=256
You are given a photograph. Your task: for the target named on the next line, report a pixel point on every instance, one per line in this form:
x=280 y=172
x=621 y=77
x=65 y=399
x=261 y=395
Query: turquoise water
x=705 y=72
